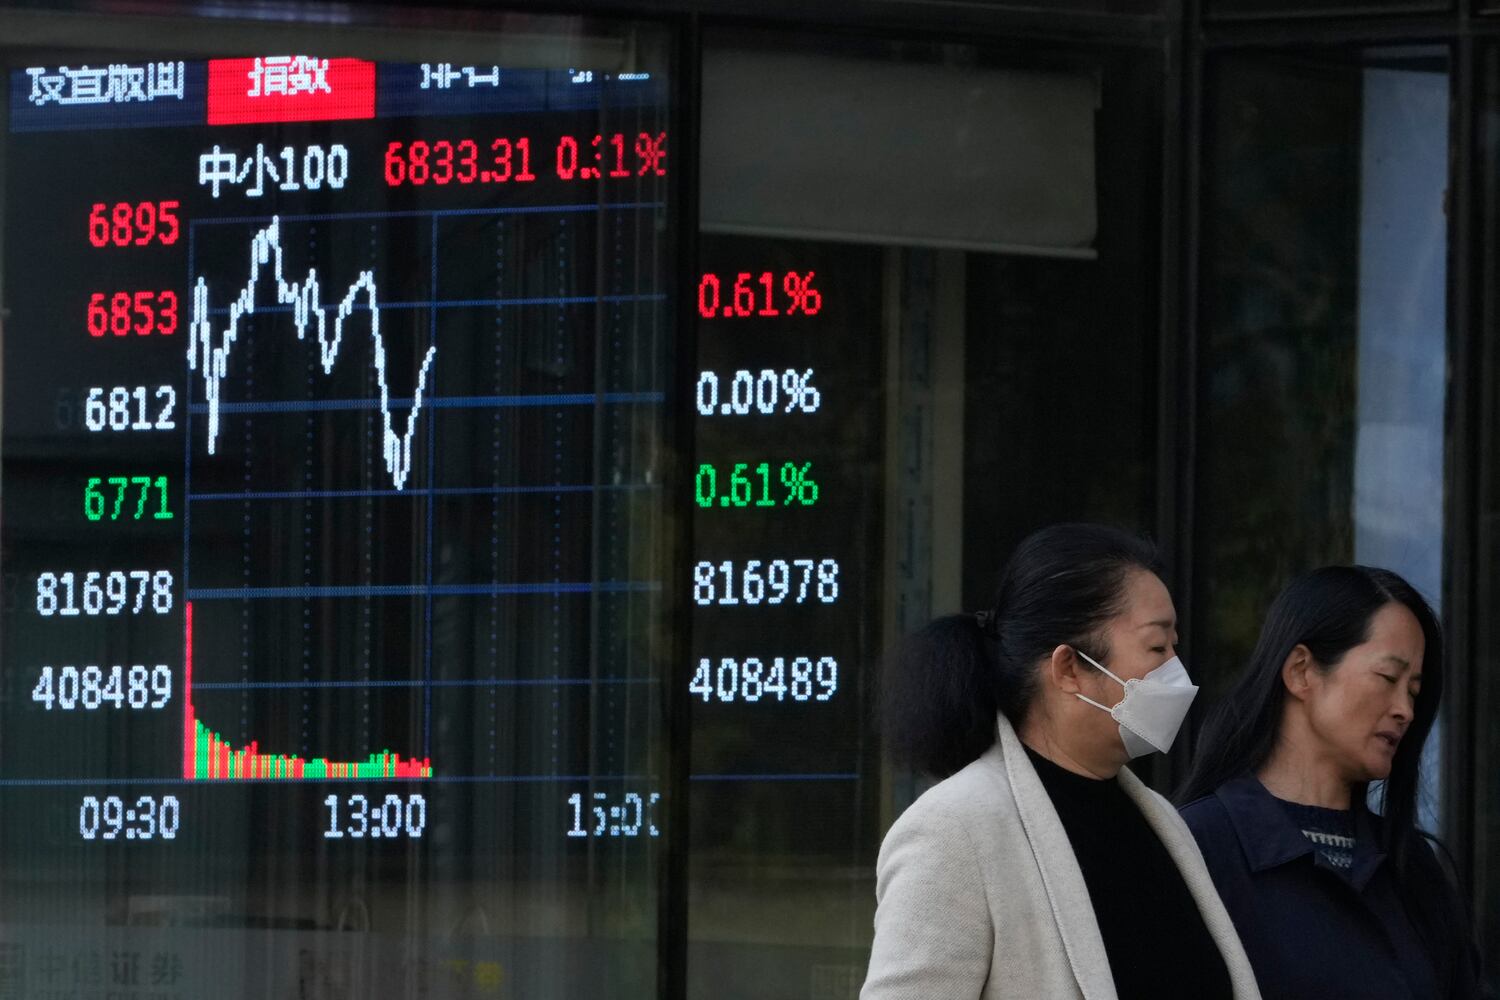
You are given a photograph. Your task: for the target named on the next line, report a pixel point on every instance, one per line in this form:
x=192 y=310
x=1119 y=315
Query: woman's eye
x=1388 y=678
x=1158 y=649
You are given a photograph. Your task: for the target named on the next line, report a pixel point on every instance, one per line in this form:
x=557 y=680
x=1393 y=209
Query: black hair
x=946 y=682
x=1330 y=611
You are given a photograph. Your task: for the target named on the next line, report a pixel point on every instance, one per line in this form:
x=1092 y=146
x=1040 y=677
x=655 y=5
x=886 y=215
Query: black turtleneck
x=1153 y=933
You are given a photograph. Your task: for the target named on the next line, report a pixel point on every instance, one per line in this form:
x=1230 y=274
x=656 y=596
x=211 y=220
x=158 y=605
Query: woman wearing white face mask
x=1040 y=867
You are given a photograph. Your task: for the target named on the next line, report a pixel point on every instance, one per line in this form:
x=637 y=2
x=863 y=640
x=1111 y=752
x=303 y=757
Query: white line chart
x=306 y=301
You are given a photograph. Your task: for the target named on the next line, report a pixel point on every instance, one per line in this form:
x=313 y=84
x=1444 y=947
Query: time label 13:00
x=375 y=819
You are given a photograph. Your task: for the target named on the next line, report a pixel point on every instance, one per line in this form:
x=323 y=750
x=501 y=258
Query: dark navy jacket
x=1311 y=932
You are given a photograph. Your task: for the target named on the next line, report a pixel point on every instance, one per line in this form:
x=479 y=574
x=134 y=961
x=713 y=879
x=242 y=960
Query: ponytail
x=940 y=696
x=946 y=682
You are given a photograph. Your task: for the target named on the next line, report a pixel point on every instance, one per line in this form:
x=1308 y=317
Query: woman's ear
x=1296 y=672
x=1063 y=668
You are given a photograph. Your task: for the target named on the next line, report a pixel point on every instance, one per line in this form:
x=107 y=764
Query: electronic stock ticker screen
x=334 y=533
x=332 y=522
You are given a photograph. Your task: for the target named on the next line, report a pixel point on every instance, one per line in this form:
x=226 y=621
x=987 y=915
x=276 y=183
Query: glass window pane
x=1323 y=367
x=939 y=266
x=1485 y=669
x=332 y=521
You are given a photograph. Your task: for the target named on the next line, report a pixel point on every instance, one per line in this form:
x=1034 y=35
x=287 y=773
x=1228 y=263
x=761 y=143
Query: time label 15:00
x=364 y=818
x=631 y=815
x=104 y=592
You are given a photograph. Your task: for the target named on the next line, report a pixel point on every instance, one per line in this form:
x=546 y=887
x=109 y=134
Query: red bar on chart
x=207 y=756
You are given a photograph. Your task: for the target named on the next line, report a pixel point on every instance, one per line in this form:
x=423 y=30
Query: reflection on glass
x=978 y=370
x=1403 y=355
x=1324 y=369
x=1486 y=664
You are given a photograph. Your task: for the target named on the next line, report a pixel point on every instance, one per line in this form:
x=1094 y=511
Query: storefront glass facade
x=851 y=302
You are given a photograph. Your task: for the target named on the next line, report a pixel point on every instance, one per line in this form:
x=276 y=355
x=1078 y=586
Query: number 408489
x=92 y=688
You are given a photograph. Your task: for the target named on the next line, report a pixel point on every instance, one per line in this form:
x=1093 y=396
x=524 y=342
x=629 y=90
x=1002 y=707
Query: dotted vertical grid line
x=557 y=472
x=367 y=505
x=187 y=461
x=307 y=508
x=616 y=384
x=247 y=541
x=495 y=499
x=431 y=512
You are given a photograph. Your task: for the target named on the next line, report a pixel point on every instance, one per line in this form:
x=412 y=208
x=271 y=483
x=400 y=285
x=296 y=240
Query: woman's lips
x=1389 y=739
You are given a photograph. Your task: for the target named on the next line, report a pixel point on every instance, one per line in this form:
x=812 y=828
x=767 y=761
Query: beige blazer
x=980 y=896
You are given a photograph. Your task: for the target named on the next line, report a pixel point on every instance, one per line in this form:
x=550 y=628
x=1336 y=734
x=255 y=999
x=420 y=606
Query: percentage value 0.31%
x=765 y=392
x=747 y=487
x=758 y=295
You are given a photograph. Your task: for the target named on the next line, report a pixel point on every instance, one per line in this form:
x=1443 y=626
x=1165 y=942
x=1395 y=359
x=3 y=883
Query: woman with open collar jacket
x=1040 y=868
x=1331 y=900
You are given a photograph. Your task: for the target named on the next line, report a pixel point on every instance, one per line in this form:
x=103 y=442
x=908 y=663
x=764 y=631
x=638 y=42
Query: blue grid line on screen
x=434 y=682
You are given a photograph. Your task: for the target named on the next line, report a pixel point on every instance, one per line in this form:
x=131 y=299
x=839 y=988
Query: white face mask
x=1153 y=707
